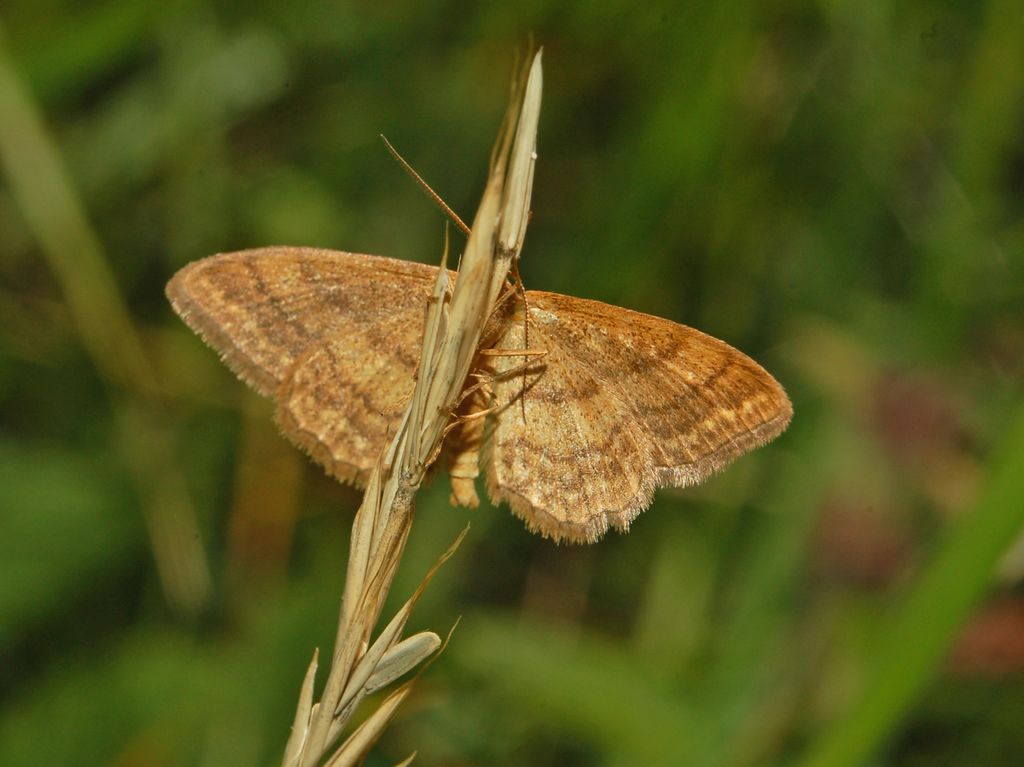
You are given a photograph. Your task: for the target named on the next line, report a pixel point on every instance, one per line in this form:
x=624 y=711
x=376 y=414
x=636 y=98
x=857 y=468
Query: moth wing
x=621 y=403
x=345 y=397
x=334 y=337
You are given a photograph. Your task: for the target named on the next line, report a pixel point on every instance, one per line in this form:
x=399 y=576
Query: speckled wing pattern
x=333 y=337
x=620 y=404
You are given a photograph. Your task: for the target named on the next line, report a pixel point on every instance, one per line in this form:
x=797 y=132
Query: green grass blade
x=920 y=635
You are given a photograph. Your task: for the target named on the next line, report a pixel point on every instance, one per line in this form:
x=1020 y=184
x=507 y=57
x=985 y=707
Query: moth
x=578 y=412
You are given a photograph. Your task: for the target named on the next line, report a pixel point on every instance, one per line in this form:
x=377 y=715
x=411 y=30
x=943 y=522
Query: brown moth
x=575 y=438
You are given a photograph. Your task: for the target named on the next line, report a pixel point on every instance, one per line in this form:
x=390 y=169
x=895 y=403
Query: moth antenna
x=426 y=187
x=508 y=291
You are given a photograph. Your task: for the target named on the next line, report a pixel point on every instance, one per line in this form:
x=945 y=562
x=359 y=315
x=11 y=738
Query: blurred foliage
x=836 y=188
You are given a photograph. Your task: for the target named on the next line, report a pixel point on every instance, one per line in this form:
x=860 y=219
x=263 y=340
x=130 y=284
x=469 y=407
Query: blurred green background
x=834 y=187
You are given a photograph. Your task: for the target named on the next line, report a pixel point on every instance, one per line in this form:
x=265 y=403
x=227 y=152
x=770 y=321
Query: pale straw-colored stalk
x=455 y=321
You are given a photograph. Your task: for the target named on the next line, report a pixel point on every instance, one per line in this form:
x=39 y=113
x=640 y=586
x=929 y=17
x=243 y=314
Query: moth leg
x=513 y=353
x=533 y=356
